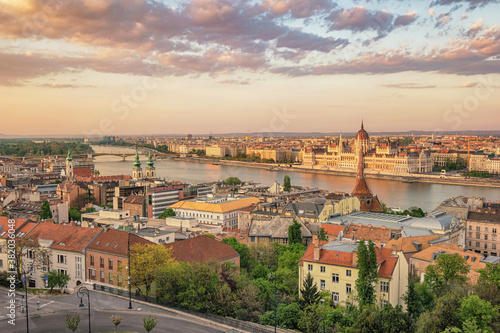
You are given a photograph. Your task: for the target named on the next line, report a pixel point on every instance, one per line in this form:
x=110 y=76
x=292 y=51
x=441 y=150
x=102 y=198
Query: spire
x=361 y=188
x=150 y=162
x=362 y=127
x=69 y=158
x=137 y=163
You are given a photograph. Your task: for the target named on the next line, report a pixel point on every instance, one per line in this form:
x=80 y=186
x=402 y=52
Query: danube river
x=393 y=193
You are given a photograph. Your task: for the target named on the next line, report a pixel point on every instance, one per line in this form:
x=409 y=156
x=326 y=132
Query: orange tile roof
x=201 y=250
x=223 y=207
x=406 y=244
x=82 y=172
x=65 y=237
x=369 y=232
x=4 y=225
x=115 y=242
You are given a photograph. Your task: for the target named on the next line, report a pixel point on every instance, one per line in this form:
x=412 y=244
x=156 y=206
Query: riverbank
x=411 y=178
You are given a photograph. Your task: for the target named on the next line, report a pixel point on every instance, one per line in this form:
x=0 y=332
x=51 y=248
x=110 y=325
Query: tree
x=233 y=181
x=478 y=311
x=56 y=279
x=444 y=314
x=309 y=292
x=46 y=213
x=448 y=270
x=149 y=323
x=146 y=259
x=393 y=320
x=74 y=214
x=322 y=235
x=418 y=299
x=491 y=274
x=167 y=213
x=287 y=185
x=72 y=322
x=116 y=320
x=367 y=273
x=294 y=233
x=28 y=247
x=242 y=250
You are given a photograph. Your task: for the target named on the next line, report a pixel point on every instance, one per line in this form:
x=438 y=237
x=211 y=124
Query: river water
x=392 y=193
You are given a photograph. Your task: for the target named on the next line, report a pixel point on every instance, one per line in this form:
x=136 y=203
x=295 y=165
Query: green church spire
x=69 y=158
x=137 y=163
x=150 y=162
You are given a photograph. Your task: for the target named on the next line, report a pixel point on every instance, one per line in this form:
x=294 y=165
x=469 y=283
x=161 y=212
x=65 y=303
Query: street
x=50 y=314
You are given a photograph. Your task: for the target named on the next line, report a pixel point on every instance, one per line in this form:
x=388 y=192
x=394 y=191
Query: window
x=78 y=267
x=102 y=276
x=322 y=284
x=493 y=238
x=494 y=230
x=110 y=263
x=470 y=243
x=478 y=244
x=91 y=260
x=478 y=236
x=348 y=288
x=92 y=273
x=111 y=278
x=494 y=246
x=335 y=297
x=102 y=262
x=485 y=246
x=485 y=237
x=470 y=234
x=384 y=287
x=478 y=228
x=61 y=259
x=1 y=263
x=348 y=272
x=62 y=271
x=470 y=227
x=119 y=280
x=30 y=254
x=335 y=278
x=309 y=267
x=322 y=269
x=384 y=302
x=485 y=229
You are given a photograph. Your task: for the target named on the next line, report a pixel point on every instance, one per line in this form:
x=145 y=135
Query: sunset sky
x=126 y=67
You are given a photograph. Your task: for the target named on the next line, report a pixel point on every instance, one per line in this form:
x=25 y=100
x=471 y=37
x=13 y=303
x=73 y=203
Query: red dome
x=362 y=135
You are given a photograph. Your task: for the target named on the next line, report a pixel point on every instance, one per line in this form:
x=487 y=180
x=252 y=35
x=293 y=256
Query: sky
x=132 y=67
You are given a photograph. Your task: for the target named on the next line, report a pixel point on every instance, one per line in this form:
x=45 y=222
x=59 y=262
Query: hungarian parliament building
x=383 y=157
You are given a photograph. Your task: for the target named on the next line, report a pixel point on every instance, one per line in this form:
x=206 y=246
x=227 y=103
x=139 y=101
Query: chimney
x=316 y=252
x=72 y=223
x=354 y=257
x=315 y=238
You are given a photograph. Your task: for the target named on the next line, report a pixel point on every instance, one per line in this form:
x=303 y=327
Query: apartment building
x=483 y=230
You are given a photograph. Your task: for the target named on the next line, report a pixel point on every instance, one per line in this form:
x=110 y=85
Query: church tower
x=69 y=167
x=150 y=168
x=368 y=202
x=137 y=170
x=363 y=139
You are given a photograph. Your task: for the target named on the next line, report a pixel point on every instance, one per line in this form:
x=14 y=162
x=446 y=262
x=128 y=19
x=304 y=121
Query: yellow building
x=333 y=268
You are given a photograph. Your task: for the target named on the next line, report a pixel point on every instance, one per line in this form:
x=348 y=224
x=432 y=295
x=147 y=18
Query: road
x=49 y=316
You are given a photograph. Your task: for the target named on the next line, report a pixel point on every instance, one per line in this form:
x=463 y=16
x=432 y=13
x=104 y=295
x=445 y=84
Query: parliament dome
x=362 y=135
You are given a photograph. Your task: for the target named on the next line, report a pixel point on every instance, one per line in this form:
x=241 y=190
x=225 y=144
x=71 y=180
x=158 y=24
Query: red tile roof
x=332 y=229
x=134 y=199
x=115 y=242
x=4 y=225
x=202 y=249
x=65 y=237
x=82 y=172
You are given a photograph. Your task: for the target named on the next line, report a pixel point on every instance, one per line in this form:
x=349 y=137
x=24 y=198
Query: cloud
x=476 y=27
x=473 y=4
x=405 y=19
x=297 y=8
x=431 y=11
x=234 y=81
x=469 y=84
x=409 y=86
x=63 y=85
x=302 y=41
x=360 y=19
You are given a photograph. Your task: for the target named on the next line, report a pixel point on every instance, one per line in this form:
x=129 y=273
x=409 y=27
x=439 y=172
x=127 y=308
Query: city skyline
x=176 y=67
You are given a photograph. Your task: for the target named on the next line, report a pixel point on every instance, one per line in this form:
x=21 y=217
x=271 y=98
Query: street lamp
x=25 y=280
x=273 y=276
x=129 y=285
x=82 y=291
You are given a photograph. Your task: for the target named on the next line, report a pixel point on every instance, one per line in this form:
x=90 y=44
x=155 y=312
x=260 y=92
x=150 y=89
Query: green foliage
x=149 y=323
x=29 y=148
x=478 y=311
x=46 y=213
x=233 y=181
x=477 y=174
x=309 y=292
x=287 y=185
x=72 y=322
x=116 y=320
x=286 y=316
x=393 y=320
x=310 y=318
x=416 y=212
x=169 y=212
x=322 y=235
x=448 y=270
x=294 y=233
x=242 y=250
x=444 y=314
x=418 y=299
x=56 y=279
x=491 y=274
x=367 y=273
x=74 y=214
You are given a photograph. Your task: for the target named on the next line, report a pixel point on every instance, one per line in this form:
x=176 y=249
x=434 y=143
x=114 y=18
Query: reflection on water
x=393 y=193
